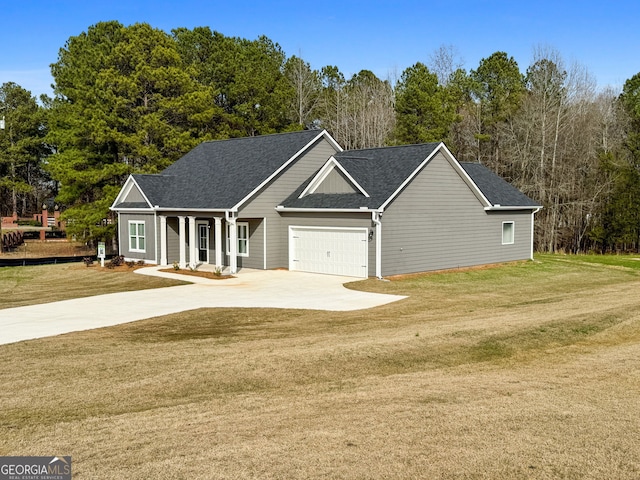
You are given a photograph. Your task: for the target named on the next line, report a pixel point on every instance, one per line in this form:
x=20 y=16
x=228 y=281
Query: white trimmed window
x=243 y=239
x=136 y=236
x=508 y=233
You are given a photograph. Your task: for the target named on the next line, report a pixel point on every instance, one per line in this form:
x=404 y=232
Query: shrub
x=131 y=264
x=88 y=261
x=141 y=263
x=116 y=261
x=176 y=266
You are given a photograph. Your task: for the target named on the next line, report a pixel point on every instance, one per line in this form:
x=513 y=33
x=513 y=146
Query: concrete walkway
x=250 y=288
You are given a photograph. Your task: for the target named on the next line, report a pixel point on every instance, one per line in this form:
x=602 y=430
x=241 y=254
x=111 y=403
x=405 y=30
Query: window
x=243 y=239
x=136 y=236
x=508 y=233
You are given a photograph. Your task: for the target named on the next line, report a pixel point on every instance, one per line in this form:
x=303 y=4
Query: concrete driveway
x=250 y=288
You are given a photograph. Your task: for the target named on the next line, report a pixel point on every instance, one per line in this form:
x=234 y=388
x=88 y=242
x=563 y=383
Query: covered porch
x=221 y=241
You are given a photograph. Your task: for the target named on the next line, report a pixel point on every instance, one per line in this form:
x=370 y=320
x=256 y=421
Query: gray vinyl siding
x=256 y=245
x=149 y=234
x=335 y=182
x=438 y=223
x=134 y=196
x=264 y=203
x=173 y=243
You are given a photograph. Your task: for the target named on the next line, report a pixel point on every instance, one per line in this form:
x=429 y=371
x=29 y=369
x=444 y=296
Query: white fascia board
x=330 y=139
x=322 y=134
x=410 y=177
x=132 y=210
x=186 y=209
x=124 y=191
x=324 y=172
x=280 y=208
x=456 y=166
x=512 y=207
x=126 y=188
x=465 y=176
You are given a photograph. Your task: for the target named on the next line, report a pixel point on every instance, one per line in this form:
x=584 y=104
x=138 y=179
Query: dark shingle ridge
x=425 y=144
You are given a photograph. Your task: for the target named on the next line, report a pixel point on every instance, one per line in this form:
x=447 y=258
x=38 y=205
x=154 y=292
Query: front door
x=203 y=242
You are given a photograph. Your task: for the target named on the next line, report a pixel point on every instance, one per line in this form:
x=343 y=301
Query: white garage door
x=335 y=251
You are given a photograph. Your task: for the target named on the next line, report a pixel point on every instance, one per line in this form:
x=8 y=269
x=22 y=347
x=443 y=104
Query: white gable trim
x=323 y=134
x=454 y=163
x=324 y=172
x=124 y=192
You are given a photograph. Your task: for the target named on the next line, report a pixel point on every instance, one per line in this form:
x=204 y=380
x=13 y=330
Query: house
x=298 y=201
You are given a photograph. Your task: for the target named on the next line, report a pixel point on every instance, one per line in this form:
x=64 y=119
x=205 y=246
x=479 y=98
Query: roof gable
x=385 y=172
x=380 y=172
x=131 y=196
x=333 y=178
x=223 y=174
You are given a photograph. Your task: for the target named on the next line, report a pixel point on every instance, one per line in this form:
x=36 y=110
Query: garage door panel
x=335 y=251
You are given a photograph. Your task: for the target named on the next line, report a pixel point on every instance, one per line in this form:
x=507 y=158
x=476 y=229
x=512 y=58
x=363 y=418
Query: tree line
x=133 y=99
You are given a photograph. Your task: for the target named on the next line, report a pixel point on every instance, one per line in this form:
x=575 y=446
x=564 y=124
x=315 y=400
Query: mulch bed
x=196 y=273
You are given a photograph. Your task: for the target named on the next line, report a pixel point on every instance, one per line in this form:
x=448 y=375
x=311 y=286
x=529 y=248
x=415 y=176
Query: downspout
x=119 y=235
x=376 y=219
x=233 y=242
x=532 y=226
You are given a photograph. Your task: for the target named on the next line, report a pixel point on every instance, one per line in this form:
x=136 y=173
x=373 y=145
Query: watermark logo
x=35 y=468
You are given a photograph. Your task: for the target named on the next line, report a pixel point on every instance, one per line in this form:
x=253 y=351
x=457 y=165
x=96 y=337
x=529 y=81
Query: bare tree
x=555 y=141
x=444 y=62
x=306 y=85
x=360 y=112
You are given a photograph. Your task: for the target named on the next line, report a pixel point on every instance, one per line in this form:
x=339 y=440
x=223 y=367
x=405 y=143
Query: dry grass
x=51 y=248
x=49 y=283
x=527 y=371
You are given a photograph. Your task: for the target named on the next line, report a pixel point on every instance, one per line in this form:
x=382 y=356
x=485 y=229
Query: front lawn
x=32 y=285
x=523 y=371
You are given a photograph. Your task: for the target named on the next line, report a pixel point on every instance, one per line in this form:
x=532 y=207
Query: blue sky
x=383 y=36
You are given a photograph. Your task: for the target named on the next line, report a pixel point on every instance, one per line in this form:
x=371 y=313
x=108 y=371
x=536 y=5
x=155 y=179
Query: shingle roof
x=496 y=189
x=219 y=174
x=379 y=171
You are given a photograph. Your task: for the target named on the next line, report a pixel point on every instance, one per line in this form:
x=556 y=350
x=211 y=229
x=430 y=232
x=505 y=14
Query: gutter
x=499 y=207
x=157 y=208
x=281 y=208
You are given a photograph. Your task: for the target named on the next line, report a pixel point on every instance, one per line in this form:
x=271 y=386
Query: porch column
x=218 y=240
x=376 y=217
x=233 y=242
x=163 y=240
x=193 y=243
x=182 y=242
